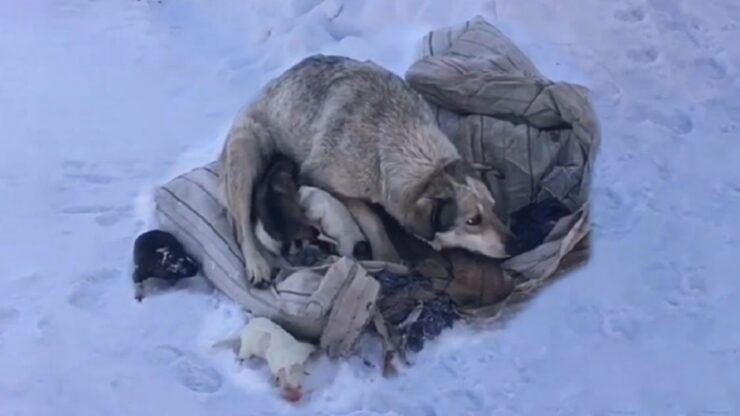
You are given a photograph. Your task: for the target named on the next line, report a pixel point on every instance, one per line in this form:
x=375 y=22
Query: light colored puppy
x=360 y=132
x=334 y=221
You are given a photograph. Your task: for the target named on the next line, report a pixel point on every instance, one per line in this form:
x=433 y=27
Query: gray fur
x=360 y=132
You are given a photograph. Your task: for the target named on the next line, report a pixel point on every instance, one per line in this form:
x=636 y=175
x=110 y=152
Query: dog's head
x=460 y=214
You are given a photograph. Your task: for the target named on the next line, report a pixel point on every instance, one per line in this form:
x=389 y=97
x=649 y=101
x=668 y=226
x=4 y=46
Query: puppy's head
x=290 y=381
x=461 y=215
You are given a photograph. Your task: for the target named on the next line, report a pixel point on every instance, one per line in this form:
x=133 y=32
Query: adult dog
x=360 y=132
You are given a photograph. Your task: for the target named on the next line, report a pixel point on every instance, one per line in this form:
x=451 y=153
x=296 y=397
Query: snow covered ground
x=101 y=100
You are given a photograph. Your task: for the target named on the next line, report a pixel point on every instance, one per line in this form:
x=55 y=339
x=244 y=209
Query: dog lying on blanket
x=361 y=133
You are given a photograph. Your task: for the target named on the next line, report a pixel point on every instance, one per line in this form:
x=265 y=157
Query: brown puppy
x=280 y=217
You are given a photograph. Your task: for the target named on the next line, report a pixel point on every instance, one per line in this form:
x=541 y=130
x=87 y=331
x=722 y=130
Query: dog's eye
x=474 y=220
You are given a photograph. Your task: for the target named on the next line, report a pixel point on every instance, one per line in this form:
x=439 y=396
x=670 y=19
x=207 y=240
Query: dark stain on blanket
x=413 y=310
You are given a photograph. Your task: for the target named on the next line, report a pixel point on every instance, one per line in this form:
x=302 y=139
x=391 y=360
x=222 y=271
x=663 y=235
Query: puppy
x=288 y=217
x=281 y=221
x=286 y=356
x=158 y=254
x=335 y=222
x=361 y=133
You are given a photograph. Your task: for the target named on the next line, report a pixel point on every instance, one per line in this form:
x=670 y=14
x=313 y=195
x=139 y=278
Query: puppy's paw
x=259 y=272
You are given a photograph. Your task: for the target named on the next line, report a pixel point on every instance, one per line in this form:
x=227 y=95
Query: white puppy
x=334 y=221
x=285 y=356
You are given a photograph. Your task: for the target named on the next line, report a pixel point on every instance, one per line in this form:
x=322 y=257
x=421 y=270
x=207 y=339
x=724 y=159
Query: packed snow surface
x=100 y=101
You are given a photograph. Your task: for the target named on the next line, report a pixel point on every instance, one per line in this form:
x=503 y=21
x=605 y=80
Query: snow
x=102 y=100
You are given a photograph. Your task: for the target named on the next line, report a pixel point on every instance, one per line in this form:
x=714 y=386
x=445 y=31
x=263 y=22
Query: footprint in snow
x=630 y=15
x=79 y=171
x=86 y=209
x=105 y=215
x=710 y=68
x=677 y=121
x=398 y=405
x=90 y=289
x=585 y=319
x=91 y=178
x=618 y=211
x=7 y=317
x=642 y=55
x=111 y=218
x=677 y=285
x=190 y=371
x=625 y=324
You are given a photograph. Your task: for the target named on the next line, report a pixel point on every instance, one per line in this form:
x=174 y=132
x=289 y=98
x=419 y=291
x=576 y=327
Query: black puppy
x=158 y=254
x=532 y=223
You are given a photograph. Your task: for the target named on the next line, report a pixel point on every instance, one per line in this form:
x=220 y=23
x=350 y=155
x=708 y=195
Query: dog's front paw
x=259 y=272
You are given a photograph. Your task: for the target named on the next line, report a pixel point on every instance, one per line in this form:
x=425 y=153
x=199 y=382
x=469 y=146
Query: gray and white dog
x=360 y=132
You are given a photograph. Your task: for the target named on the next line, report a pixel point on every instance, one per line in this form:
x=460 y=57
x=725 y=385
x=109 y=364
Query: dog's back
x=355 y=129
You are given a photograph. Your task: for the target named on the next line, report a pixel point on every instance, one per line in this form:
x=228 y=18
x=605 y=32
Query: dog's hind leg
x=243 y=159
x=373 y=228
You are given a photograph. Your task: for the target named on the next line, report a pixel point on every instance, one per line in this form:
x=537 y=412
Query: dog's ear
x=455 y=169
x=444 y=212
x=459 y=169
x=422 y=223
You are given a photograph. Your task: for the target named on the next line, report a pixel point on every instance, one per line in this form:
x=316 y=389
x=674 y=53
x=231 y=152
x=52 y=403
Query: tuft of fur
x=360 y=132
